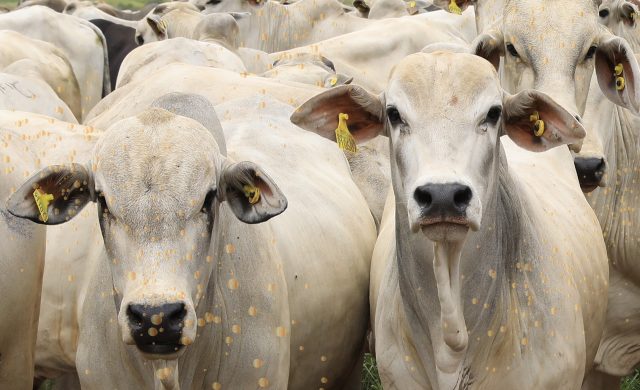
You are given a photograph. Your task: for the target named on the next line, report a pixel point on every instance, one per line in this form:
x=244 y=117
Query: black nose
x=443 y=200
x=590 y=171
x=157 y=329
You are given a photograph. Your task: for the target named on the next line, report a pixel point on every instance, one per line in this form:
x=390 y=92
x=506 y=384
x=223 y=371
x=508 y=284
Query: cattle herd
x=249 y=194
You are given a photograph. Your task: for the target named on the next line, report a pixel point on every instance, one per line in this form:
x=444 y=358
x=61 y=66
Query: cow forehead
x=544 y=22
x=155 y=161
x=431 y=83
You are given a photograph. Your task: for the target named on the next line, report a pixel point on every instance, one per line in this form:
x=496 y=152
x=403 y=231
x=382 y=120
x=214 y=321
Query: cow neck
x=430 y=280
x=613 y=204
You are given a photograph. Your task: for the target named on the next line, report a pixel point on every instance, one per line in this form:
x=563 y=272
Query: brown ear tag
x=538 y=124
x=42 y=202
x=617 y=72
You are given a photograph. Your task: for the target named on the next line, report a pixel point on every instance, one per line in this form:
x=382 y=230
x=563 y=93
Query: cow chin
x=445 y=231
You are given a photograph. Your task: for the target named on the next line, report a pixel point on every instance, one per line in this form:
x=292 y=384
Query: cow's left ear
x=618 y=72
x=158 y=25
x=54 y=195
x=252 y=195
x=489 y=46
x=537 y=123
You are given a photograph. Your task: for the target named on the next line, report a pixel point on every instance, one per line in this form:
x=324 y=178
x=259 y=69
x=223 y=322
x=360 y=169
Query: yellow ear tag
x=343 y=137
x=252 y=193
x=454 y=9
x=617 y=71
x=538 y=124
x=42 y=201
x=412 y=4
x=333 y=81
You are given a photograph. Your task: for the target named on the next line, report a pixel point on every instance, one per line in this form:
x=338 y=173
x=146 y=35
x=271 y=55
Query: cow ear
x=489 y=46
x=362 y=7
x=454 y=6
x=54 y=195
x=158 y=25
x=618 y=73
x=239 y=15
x=537 y=123
x=320 y=113
x=252 y=195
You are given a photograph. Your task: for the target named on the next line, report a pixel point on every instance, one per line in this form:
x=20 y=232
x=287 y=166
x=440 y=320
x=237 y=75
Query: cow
x=81 y=42
x=26 y=140
x=56 y=5
x=87 y=11
x=32 y=58
x=234 y=304
x=367 y=58
x=148 y=58
x=155 y=26
x=490 y=266
x=272 y=26
x=32 y=94
x=607 y=170
x=307 y=68
x=120 y=42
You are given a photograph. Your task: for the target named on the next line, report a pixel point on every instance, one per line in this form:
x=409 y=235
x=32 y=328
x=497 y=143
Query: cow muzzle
x=443 y=210
x=157 y=329
x=590 y=172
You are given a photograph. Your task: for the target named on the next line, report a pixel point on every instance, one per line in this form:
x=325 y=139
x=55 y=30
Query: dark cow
x=120 y=41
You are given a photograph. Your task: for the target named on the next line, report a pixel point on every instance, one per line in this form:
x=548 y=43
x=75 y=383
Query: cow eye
x=590 y=53
x=603 y=13
x=393 y=115
x=494 y=114
x=512 y=50
x=208 y=201
x=139 y=40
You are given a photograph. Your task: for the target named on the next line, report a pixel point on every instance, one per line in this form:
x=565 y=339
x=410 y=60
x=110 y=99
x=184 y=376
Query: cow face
x=444 y=114
x=158 y=180
x=558 y=58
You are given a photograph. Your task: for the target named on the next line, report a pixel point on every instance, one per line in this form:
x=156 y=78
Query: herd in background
x=274 y=189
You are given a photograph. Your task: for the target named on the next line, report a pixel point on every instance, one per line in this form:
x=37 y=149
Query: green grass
x=632 y=382
x=370 y=378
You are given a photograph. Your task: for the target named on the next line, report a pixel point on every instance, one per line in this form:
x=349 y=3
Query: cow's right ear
x=54 y=195
x=320 y=113
x=158 y=25
x=489 y=46
x=454 y=6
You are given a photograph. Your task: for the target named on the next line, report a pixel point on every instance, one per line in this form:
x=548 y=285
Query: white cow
x=82 y=42
x=490 y=270
x=146 y=59
x=368 y=58
x=208 y=301
x=39 y=60
x=88 y=11
x=307 y=68
x=608 y=166
x=272 y=26
x=26 y=141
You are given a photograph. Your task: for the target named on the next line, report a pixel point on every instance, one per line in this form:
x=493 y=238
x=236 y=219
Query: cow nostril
x=175 y=312
x=423 y=196
x=135 y=313
x=462 y=197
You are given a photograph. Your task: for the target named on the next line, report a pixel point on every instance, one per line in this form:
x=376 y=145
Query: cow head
x=558 y=58
x=307 y=68
x=444 y=114
x=158 y=180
